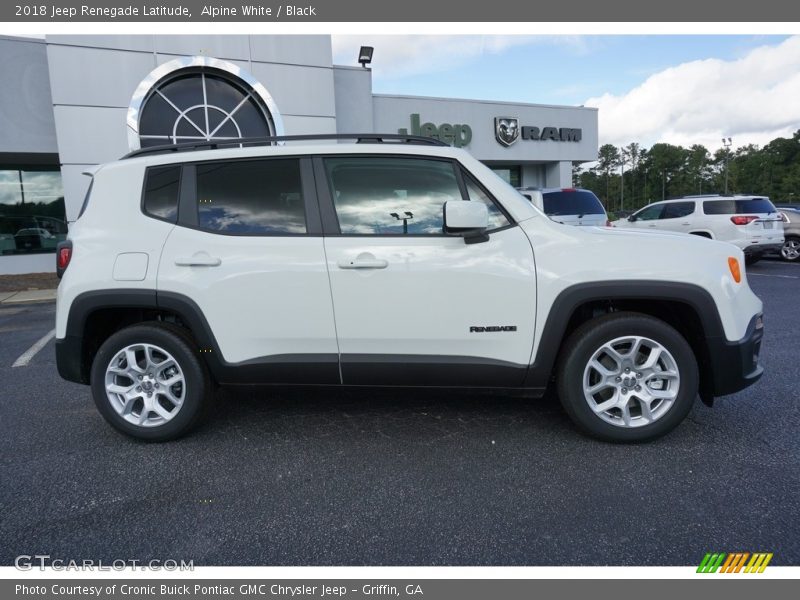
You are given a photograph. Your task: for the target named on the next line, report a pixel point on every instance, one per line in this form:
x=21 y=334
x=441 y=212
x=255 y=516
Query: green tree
x=608 y=159
x=666 y=162
x=631 y=155
x=698 y=167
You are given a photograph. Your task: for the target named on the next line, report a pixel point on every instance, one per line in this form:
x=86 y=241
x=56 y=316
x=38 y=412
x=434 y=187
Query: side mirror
x=631 y=218
x=468 y=219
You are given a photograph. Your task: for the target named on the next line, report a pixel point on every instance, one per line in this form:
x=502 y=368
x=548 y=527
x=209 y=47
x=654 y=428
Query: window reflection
x=32 y=214
x=391 y=196
x=496 y=218
x=254 y=197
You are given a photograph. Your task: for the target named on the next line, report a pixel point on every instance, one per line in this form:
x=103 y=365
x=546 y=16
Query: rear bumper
x=759 y=249
x=735 y=364
x=68 y=359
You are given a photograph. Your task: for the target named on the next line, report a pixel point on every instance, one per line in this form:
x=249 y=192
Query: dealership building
x=70 y=102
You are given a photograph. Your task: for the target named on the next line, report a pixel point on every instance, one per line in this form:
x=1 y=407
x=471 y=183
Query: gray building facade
x=74 y=101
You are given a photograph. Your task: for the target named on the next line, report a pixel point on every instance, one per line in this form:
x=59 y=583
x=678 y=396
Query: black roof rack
x=361 y=138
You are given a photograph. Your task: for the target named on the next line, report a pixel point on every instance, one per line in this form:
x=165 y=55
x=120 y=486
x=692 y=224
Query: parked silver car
x=791 y=233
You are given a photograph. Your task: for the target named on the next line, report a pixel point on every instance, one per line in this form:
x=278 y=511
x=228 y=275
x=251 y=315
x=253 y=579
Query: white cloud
x=752 y=99
x=399 y=56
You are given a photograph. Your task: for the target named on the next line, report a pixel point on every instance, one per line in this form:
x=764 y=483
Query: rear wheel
x=791 y=249
x=148 y=382
x=627 y=377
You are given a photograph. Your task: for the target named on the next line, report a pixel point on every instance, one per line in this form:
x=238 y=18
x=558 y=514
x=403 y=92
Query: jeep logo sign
x=507 y=131
x=456 y=135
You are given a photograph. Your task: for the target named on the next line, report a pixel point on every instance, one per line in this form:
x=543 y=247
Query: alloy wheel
x=791 y=250
x=631 y=381
x=145 y=385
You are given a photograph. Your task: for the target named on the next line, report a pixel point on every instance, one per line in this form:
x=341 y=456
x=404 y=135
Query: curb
x=27 y=296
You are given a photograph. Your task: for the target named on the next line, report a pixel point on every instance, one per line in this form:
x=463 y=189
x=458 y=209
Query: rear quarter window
x=580 y=202
x=161 y=188
x=86 y=199
x=736 y=206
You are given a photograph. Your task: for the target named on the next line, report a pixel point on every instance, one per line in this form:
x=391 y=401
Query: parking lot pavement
x=399 y=477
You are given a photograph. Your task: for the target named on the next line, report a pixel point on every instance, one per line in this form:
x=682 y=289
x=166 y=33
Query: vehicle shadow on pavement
x=414 y=414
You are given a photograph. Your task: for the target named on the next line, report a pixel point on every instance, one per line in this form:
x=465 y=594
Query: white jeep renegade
x=394 y=261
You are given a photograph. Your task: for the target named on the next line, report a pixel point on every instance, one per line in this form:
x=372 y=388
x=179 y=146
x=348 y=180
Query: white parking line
x=771 y=275
x=26 y=357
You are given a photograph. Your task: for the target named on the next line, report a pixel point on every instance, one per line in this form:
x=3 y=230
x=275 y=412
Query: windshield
x=578 y=202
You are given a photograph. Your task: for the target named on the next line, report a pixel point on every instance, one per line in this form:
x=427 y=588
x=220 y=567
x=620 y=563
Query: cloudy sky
x=679 y=89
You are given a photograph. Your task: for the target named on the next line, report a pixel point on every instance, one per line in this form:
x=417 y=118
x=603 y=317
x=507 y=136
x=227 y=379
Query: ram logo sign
x=507 y=130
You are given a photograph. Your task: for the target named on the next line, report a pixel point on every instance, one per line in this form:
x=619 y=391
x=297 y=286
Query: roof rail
x=361 y=138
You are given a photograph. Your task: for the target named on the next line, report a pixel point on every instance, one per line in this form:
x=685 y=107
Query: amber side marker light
x=736 y=272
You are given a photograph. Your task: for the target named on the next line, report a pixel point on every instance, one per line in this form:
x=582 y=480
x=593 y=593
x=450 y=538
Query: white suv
x=750 y=222
x=400 y=263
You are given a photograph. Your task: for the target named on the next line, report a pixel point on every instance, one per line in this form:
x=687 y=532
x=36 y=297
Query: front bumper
x=734 y=365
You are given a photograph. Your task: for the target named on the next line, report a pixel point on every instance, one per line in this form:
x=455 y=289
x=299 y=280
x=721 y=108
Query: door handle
x=651 y=225
x=363 y=263
x=687 y=223
x=198 y=259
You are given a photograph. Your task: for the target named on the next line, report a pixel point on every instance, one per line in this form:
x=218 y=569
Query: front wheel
x=149 y=382
x=627 y=377
x=791 y=249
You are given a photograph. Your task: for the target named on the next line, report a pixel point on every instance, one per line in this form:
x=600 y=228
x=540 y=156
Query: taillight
x=63 y=256
x=784 y=218
x=739 y=220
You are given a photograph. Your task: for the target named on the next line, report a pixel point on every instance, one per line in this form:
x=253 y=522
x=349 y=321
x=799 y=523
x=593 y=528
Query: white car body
x=425 y=310
x=762 y=231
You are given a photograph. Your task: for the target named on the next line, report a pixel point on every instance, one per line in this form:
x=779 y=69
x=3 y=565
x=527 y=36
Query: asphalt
x=346 y=477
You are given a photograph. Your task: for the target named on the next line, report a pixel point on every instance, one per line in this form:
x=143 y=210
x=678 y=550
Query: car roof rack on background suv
x=361 y=138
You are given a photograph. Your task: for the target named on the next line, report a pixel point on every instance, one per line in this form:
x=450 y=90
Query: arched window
x=206 y=99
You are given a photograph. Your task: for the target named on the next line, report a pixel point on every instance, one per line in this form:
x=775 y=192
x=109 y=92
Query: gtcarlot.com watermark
x=28 y=562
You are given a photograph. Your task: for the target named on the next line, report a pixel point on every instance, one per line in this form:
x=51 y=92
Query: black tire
x=790 y=239
x=751 y=259
x=177 y=342
x=587 y=339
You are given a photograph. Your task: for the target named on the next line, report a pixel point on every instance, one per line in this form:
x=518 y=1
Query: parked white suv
x=400 y=263
x=750 y=222
x=569 y=206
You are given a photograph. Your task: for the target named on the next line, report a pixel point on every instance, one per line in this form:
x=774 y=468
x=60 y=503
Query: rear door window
x=251 y=197
x=676 y=210
x=579 y=202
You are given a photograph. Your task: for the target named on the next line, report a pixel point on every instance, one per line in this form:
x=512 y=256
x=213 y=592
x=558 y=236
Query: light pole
x=645 y=184
x=663 y=184
x=407 y=216
x=726 y=142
